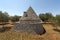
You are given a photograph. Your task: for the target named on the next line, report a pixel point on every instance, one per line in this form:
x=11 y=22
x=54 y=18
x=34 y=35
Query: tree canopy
x=46 y=17
x=4 y=17
x=14 y=18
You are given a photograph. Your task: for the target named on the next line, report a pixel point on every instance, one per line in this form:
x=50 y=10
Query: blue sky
x=17 y=7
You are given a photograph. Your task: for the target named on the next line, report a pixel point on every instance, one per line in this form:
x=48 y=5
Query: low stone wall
x=29 y=22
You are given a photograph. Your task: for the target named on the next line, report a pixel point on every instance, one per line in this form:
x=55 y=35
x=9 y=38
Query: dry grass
x=49 y=35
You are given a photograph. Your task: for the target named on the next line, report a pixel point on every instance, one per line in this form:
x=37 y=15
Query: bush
x=58 y=20
x=3 y=29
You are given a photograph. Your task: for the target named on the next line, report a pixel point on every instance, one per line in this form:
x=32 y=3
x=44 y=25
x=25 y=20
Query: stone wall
x=29 y=28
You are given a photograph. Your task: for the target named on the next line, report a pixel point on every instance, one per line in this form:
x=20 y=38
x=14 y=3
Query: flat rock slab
x=29 y=28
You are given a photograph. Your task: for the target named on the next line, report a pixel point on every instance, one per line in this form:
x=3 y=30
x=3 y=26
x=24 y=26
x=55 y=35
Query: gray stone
x=29 y=23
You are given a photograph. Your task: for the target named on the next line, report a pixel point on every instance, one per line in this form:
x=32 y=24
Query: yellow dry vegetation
x=49 y=35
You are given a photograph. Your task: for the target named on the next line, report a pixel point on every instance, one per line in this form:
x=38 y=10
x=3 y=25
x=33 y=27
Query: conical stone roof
x=29 y=15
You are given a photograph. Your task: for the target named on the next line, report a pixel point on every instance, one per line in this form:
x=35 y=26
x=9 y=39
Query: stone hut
x=29 y=23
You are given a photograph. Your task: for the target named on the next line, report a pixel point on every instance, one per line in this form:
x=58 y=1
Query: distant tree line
x=45 y=17
x=48 y=17
x=4 y=17
x=15 y=18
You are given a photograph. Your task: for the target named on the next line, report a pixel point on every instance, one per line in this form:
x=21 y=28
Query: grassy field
x=49 y=35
